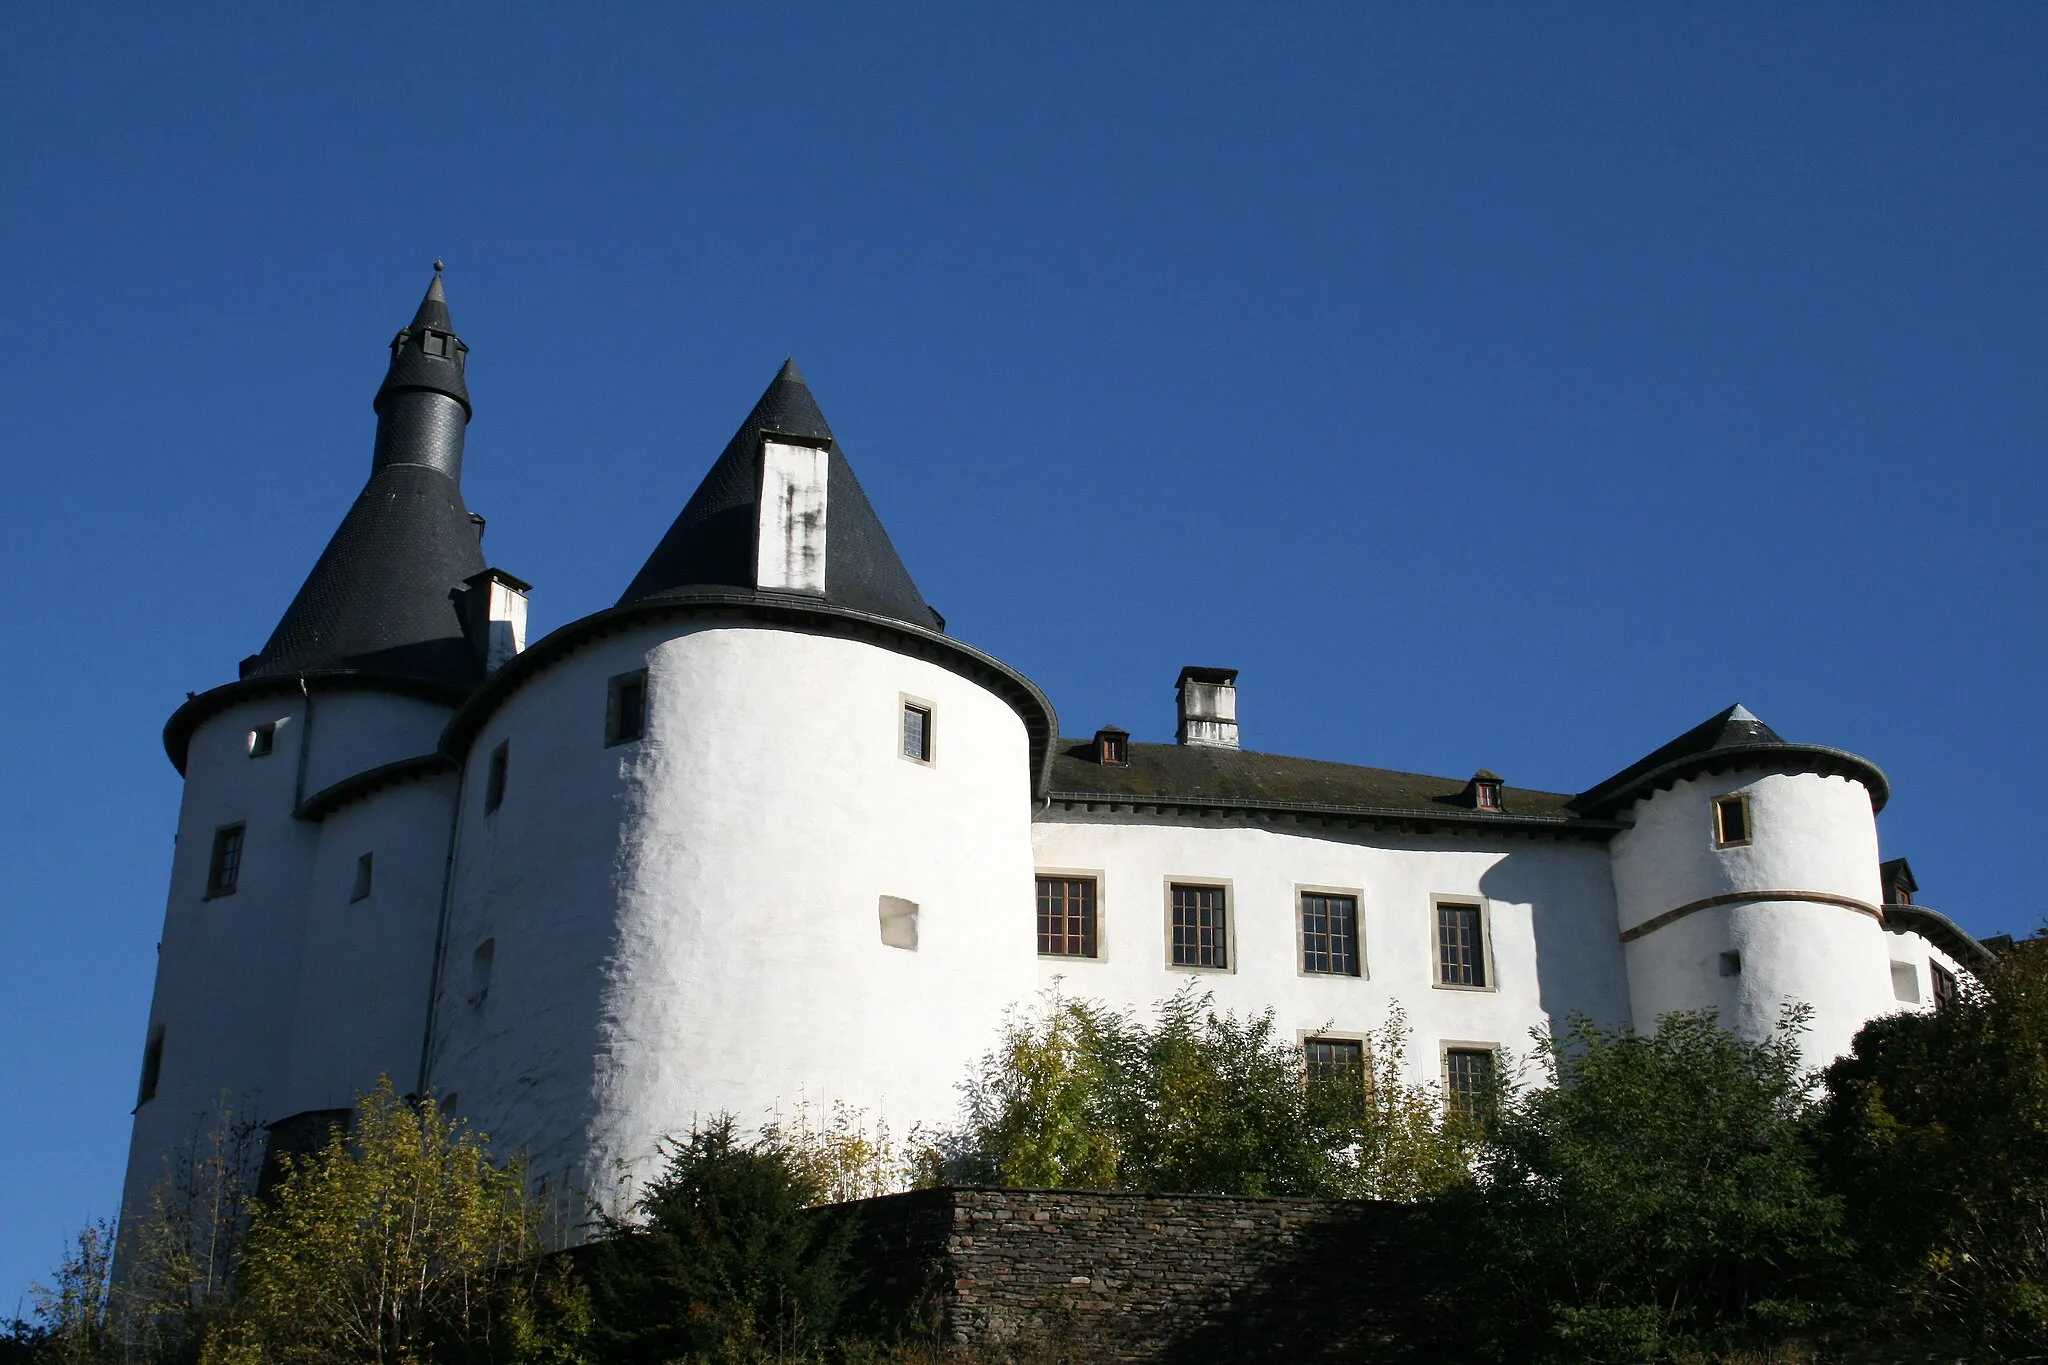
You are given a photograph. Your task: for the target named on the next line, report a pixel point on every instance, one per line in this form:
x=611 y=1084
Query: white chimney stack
x=1208 y=707
x=495 y=612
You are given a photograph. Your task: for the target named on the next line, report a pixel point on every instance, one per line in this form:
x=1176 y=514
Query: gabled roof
x=1733 y=738
x=380 y=597
x=711 y=545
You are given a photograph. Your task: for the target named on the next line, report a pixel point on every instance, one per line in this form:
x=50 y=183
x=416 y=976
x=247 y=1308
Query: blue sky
x=1493 y=386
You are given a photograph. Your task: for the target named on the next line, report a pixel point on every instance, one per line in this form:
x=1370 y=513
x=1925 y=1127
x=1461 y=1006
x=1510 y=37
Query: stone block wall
x=1142 y=1277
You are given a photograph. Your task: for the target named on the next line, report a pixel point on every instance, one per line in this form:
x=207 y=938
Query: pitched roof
x=712 y=542
x=1199 y=775
x=379 y=598
x=1732 y=738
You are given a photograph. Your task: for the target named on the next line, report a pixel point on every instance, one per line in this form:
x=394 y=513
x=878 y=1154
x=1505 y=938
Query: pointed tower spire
x=379 y=598
x=716 y=543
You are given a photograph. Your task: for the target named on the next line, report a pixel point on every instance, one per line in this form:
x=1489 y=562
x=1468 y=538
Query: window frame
x=1073 y=874
x=1464 y=901
x=1944 y=987
x=1229 y=942
x=1304 y=1038
x=1741 y=800
x=1301 y=967
x=905 y=704
x=614 y=712
x=219 y=866
x=263 y=739
x=1447 y=1046
x=496 y=774
x=366 y=877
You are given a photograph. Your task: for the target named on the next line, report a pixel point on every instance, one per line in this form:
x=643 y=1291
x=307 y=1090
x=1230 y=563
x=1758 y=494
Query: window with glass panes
x=1199 y=929
x=1329 y=934
x=1460 y=949
x=224 y=867
x=1468 y=1075
x=1945 y=990
x=1066 y=916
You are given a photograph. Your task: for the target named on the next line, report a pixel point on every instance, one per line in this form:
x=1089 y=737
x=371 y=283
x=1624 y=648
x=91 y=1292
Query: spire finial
x=438 y=267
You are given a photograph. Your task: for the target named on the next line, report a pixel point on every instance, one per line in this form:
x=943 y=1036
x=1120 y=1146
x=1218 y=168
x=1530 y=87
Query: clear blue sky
x=1492 y=386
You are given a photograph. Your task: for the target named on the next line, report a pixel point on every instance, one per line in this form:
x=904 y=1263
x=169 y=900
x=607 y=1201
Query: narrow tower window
x=480 y=970
x=1731 y=820
x=263 y=740
x=224 y=866
x=917 y=732
x=1201 y=927
x=364 y=872
x=1460 y=945
x=494 y=781
x=152 y=1065
x=1066 y=916
x=1329 y=934
x=625 y=713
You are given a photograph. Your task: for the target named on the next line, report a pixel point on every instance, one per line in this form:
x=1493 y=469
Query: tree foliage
x=1195 y=1100
x=1656 y=1197
x=400 y=1241
x=1936 y=1130
x=722 y=1260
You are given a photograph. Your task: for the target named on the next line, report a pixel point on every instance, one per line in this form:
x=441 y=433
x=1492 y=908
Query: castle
x=764 y=830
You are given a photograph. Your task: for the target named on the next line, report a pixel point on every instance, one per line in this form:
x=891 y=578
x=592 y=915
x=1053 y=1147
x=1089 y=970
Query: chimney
x=494 y=616
x=1208 y=707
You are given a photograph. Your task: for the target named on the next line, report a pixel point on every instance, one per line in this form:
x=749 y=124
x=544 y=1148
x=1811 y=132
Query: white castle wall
x=356 y=731
x=691 y=923
x=363 y=981
x=1810 y=834
x=1550 y=906
x=227 y=968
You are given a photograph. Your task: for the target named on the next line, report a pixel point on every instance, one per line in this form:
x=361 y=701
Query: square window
x=917 y=732
x=1200 y=927
x=625 y=711
x=1468 y=1080
x=1731 y=820
x=224 y=866
x=1460 y=945
x=1946 y=992
x=361 y=890
x=494 y=781
x=1066 y=916
x=263 y=740
x=1905 y=983
x=1329 y=934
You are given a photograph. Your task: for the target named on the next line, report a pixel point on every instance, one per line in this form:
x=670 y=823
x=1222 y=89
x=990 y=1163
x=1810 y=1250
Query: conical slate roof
x=1724 y=740
x=711 y=545
x=381 y=597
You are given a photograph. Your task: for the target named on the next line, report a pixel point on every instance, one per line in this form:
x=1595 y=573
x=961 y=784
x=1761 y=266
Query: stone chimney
x=494 y=617
x=1208 y=707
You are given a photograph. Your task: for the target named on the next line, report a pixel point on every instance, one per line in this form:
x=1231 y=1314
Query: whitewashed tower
x=1748 y=878
x=298 y=935
x=757 y=835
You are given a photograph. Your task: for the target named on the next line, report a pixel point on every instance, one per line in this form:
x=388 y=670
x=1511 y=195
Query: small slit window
x=263 y=740
x=1731 y=820
x=224 y=865
x=365 y=870
x=917 y=732
x=152 y=1065
x=625 y=712
x=494 y=780
x=480 y=963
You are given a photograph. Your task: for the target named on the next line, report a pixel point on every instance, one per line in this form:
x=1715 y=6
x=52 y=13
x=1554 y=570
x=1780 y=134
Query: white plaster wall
x=1810 y=833
x=1917 y=953
x=690 y=924
x=1550 y=906
x=228 y=968
x=365 y=969
x=356 y=731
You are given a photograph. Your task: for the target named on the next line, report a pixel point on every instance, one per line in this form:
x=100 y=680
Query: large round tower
x=298 y=935
x=1748 y=880
x=758 y=836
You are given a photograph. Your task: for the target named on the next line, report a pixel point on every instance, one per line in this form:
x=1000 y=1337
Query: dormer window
x=1482 y=792
x=1113 y=747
